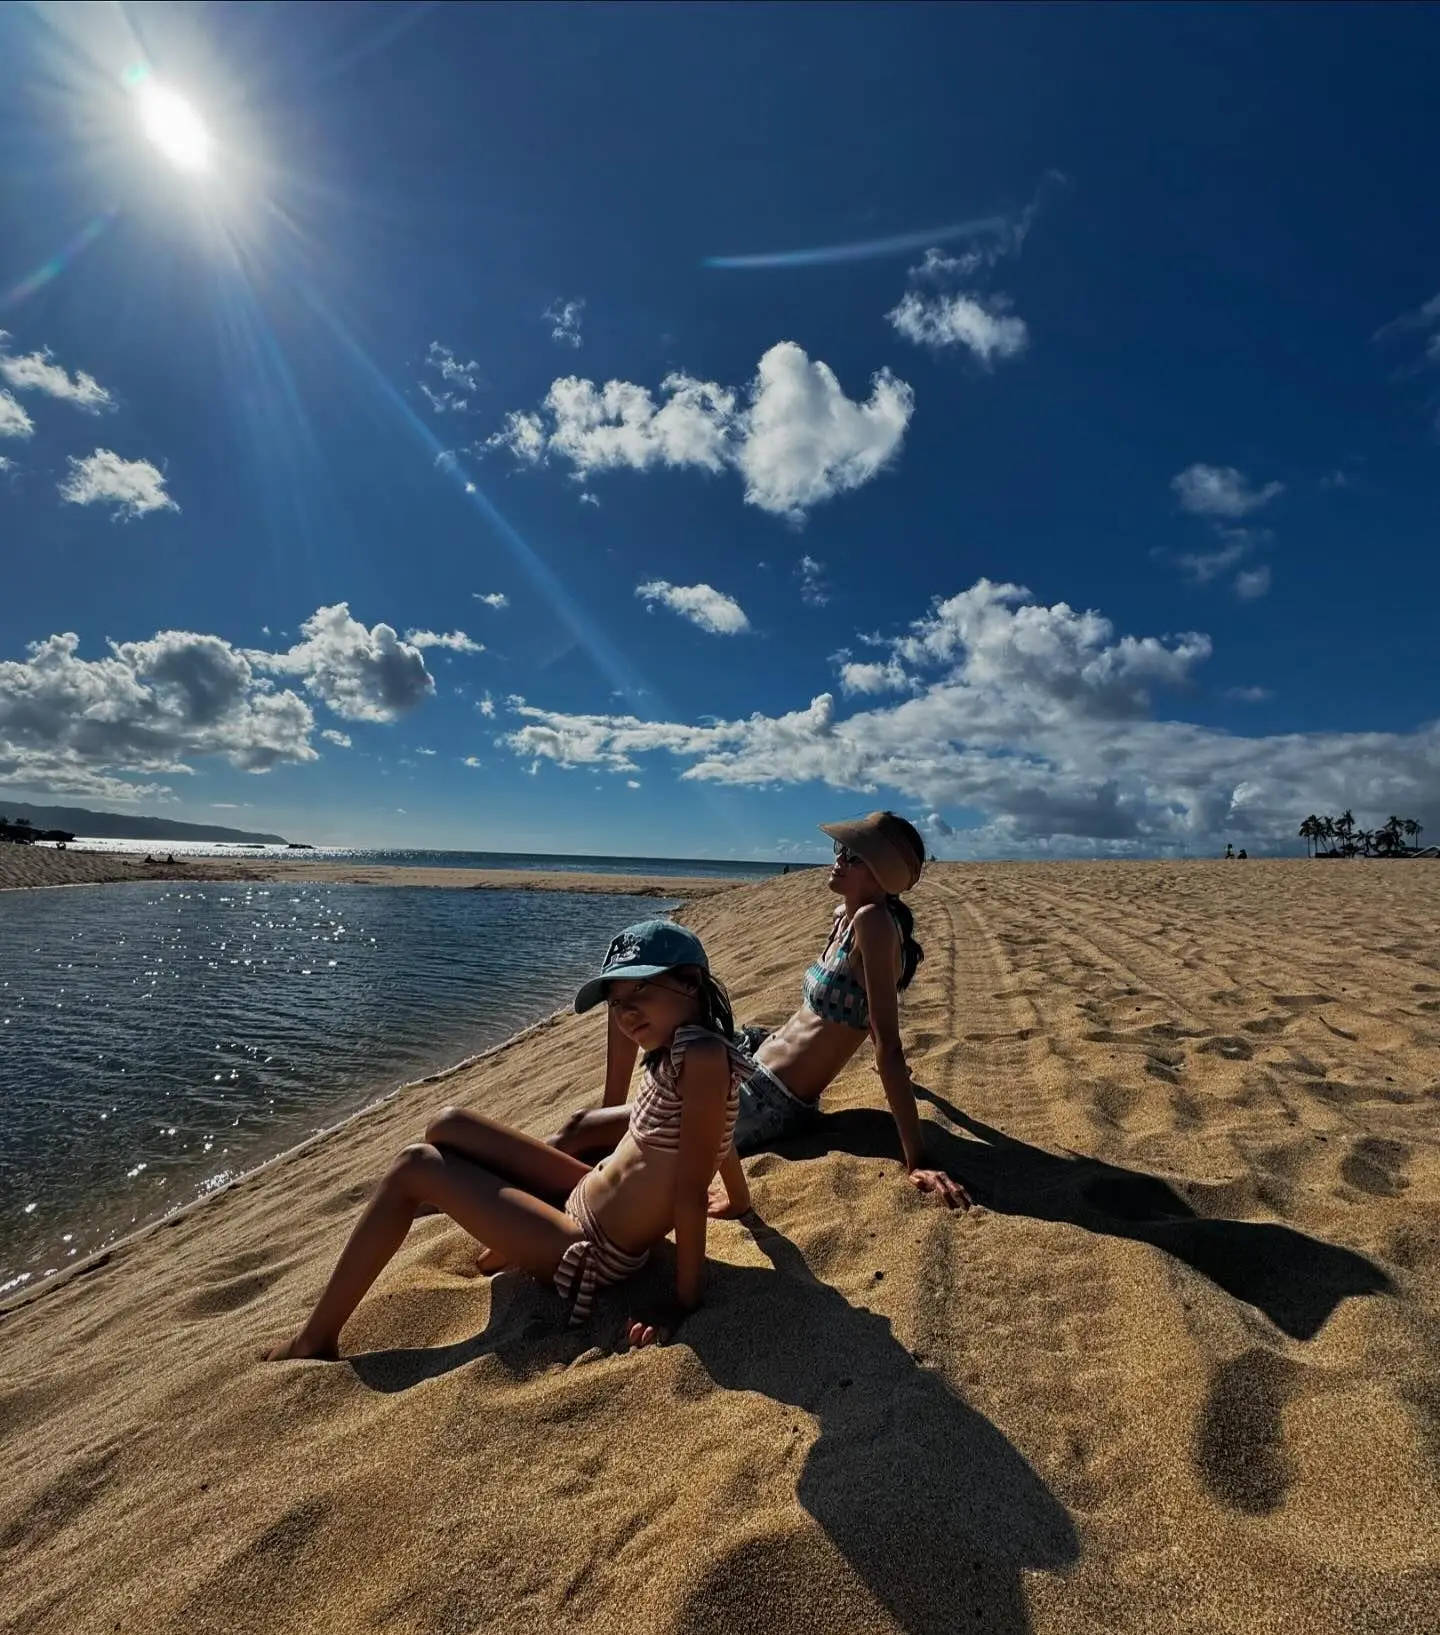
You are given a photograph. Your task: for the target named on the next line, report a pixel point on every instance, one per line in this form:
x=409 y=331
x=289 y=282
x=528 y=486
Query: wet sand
x=1176 y=1372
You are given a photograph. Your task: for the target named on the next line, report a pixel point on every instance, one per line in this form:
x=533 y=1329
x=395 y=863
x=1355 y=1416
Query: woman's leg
x=519 y=1226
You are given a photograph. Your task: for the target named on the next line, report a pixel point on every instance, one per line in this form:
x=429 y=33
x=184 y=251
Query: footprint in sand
x=1376 y=1166
x=1241 y=1445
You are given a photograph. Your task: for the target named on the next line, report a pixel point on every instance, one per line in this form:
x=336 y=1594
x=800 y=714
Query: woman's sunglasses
x=845 y=857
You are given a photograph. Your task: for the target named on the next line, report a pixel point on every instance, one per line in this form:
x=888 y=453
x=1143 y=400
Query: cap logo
x=624 y=950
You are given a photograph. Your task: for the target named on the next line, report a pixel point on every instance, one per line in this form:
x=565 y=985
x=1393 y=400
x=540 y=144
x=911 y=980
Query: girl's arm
x=704 y=1085
x=880 y=953
x=737 y=1189
x=620 y=1054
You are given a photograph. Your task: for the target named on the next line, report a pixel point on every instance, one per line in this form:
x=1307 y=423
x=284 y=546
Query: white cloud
x=14 y=422
x=362 y=674
x=461 y=381
x=457 y=641
x=564 y=316
x=37 y=372
x=472 y=760
x=797 y=441
x=6 y=464
x=1221 y=491
x=873 y=678
x=1253 y=583
x=1248 y=695
x=1203 y=566
x=938 y=321
x=1041 y=718
x=587 y=498
x=133 y=487
x=702 y=605
x=495 y=598
x=632 y=783
x=340 y=739
x=814 y=587
x=427 y=751
x=486 y=706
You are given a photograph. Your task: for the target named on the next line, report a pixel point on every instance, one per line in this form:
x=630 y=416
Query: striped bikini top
x=832 y=990
x=655 y=1111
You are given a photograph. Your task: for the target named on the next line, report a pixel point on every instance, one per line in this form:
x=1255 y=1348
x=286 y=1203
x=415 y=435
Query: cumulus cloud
x=702 y=605
x=459 y=381
x=494 y=598
x=340 y=739
x=1221 y=491
x=471 y=760
x=38 y=372
x=133 y=487
x=362 y=674
x=1041 y=718
x=486 y=706
x=564 y=318
x=587 y=498
x=457 y=641
x=888 y=677
x=796 y=440
x=14 y=422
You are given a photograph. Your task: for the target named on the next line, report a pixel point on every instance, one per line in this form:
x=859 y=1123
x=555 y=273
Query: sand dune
x=1179 y=1371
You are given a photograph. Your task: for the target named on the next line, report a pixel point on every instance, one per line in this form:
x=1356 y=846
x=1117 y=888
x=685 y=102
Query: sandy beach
x=1179 y=1370
x=28 y=866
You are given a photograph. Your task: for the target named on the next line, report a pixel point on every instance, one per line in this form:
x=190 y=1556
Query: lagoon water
x=156 y=1040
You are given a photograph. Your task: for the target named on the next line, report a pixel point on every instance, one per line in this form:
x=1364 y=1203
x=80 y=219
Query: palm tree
x=1310 y=833
x=1412 y=831
x=1327 y=829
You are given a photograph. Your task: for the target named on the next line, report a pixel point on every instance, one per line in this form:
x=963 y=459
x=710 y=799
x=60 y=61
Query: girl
x=850 y=993
x=547 y=1212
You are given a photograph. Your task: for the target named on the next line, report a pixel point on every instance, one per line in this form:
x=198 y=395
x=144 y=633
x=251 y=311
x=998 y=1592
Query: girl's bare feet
x=298 y=1346
x=490 y=1261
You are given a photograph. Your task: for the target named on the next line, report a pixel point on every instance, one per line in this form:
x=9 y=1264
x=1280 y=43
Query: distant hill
x=123 y=826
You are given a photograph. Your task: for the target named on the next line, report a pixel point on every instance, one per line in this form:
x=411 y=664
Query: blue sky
x=658 y=430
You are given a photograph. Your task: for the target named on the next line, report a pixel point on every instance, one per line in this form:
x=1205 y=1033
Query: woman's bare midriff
x=806 y=1053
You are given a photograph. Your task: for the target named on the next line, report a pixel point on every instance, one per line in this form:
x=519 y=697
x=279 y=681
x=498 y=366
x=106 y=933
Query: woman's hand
x=938 y=1184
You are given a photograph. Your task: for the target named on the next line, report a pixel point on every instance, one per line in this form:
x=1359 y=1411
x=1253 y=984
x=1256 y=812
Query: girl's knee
x=411 y=1164
x=444 y=1125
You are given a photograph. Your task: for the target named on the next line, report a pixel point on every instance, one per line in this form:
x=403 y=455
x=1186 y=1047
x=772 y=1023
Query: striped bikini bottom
x=592 y=1262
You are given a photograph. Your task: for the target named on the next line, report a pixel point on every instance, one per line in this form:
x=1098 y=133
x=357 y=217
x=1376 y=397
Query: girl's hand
x=657 y=1330
x=940 y=1185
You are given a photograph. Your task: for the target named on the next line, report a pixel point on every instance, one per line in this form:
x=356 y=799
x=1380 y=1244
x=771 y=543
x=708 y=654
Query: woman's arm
x=620 y=1053
x=880 y=952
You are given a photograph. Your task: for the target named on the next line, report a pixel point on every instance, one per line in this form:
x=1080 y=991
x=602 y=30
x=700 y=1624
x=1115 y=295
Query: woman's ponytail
x=911 y=953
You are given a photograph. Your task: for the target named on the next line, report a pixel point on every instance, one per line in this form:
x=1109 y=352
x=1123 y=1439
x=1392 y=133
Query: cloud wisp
x=38 y=372
x=1221 y=491
x=796 y=440
x=564 y=318
x=459 y=381
x=712 y=610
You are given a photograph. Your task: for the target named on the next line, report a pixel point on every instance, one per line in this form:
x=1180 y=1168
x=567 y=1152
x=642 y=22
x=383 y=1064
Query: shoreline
x=32 y=868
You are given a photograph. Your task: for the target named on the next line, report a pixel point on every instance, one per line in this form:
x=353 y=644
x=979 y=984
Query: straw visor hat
x=882 y=841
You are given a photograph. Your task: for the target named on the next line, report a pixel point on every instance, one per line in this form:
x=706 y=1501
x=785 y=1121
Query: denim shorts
x=768 y=1112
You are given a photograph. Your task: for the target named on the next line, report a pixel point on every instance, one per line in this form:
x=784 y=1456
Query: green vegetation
x=1339 y=837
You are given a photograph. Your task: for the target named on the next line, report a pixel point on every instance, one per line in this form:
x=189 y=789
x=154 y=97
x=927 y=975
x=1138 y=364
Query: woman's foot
x=300 y=1346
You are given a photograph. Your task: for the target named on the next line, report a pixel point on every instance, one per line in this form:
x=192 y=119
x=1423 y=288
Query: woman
x=545 y=1211
x=850 y=993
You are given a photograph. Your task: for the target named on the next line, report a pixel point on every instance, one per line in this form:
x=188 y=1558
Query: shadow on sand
x=1297 y=1281
x=931 y=1506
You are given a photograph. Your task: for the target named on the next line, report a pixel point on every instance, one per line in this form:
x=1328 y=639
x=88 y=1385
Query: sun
x=173 y=125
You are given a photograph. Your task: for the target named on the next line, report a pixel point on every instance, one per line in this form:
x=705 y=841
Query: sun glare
x=174 y=127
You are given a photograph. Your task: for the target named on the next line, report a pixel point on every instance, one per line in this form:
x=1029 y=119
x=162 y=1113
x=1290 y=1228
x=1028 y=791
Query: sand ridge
x=1177 y=1370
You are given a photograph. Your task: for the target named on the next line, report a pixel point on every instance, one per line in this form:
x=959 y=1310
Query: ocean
x=159 y=1039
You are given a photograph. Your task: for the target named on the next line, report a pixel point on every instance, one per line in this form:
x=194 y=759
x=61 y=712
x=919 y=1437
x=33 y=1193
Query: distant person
x=851 y=994
x=545 y=1211
x=1242 y=853
x=1229 y=852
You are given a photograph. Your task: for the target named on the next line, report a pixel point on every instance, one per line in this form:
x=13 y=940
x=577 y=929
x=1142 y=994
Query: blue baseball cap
x=641 y=951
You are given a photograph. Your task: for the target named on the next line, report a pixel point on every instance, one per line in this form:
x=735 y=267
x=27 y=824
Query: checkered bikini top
x=655 y=1111
x=832 y=990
